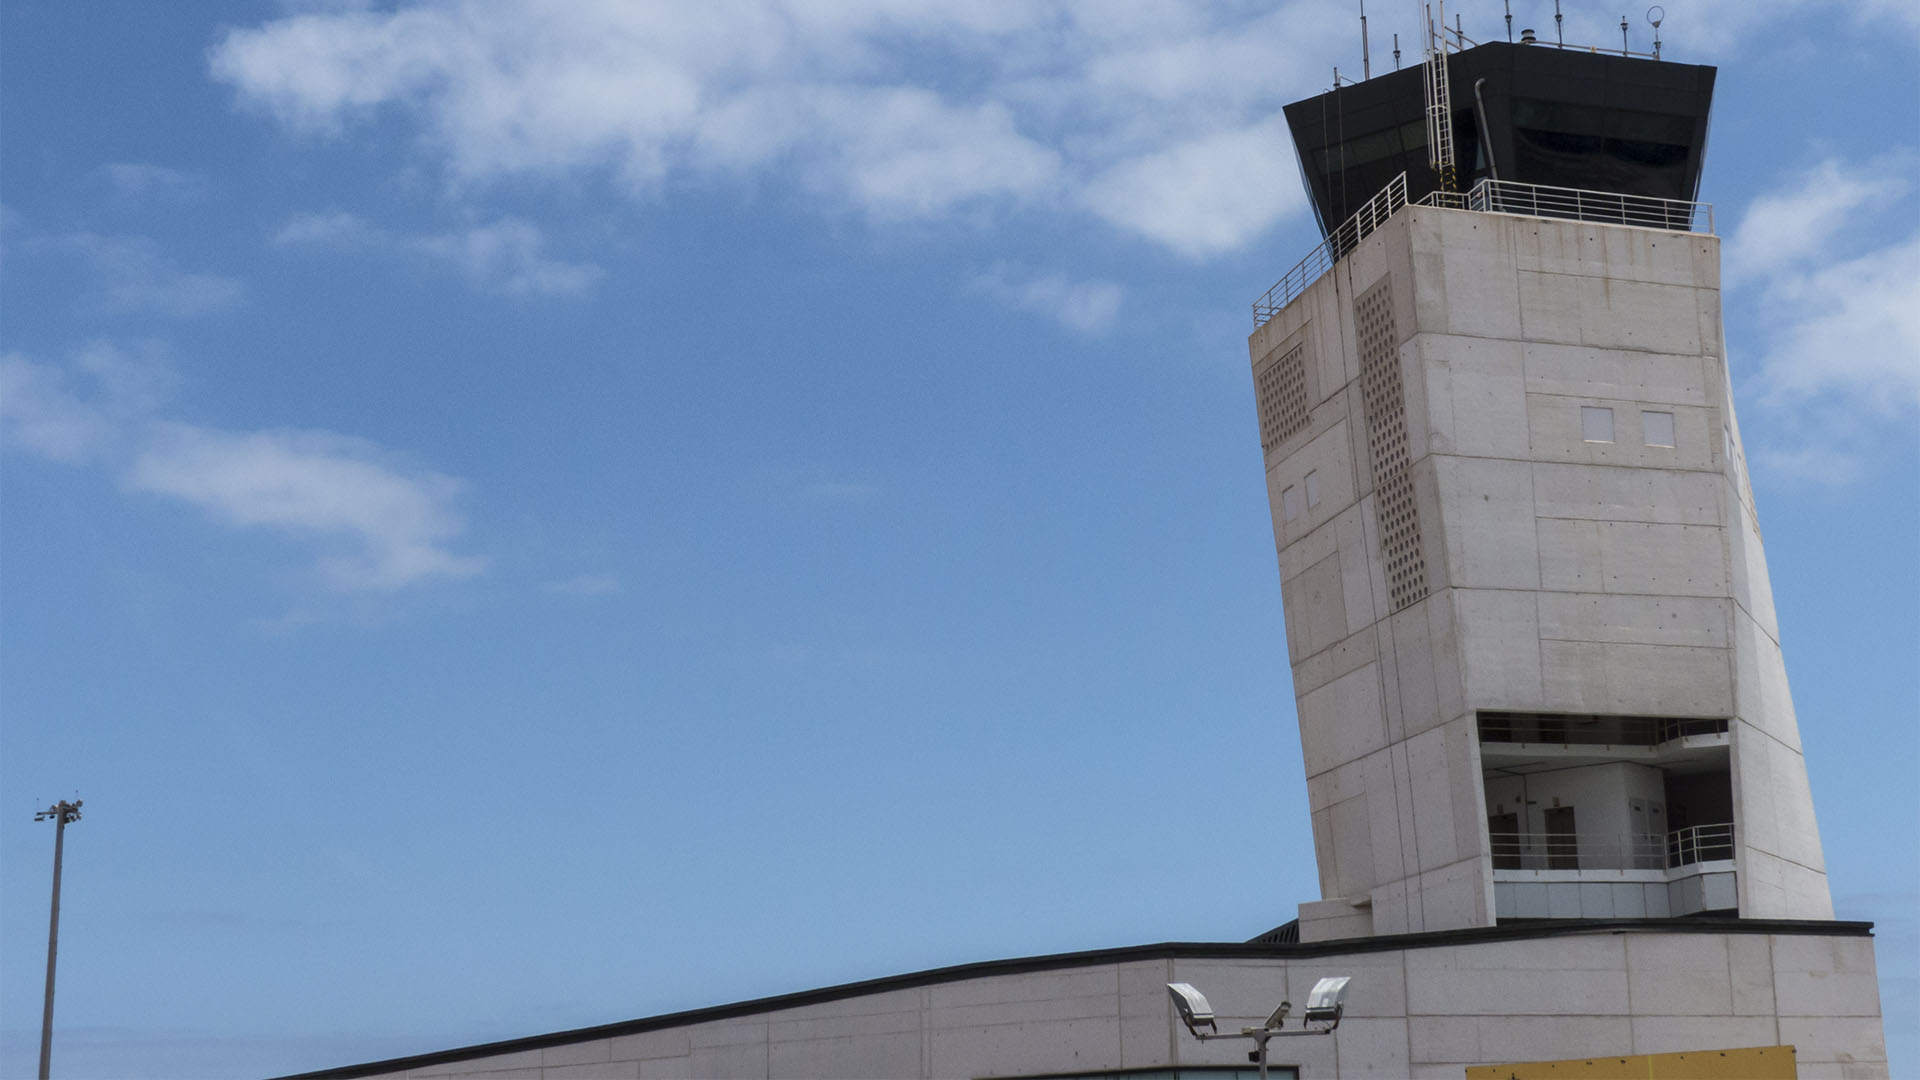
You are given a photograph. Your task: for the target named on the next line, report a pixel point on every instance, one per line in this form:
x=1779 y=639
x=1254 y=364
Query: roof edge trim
x=1170 y=950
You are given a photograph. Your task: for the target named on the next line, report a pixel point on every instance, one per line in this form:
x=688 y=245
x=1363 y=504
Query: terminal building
x=1559 y=807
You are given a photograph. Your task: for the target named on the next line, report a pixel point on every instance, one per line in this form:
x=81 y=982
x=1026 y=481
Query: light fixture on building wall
x=1324 y=1007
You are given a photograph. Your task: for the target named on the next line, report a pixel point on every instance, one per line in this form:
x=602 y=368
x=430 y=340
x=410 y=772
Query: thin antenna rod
x=1396 y=52
x=1366 y=60
x=1559 y=34
x=1623 y=36
x=1509 y=5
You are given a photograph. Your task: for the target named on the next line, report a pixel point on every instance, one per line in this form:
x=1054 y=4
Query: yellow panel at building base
x=1753 y=1063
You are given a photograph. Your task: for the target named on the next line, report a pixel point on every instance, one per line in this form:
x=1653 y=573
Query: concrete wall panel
x=1630 y=376
x=1616 y=493
x=1643 y=680
x=1489 y=517
x=1342 y=721
x=1697 y=622
x=1499 y=638
x=1475 y=396
x=1316 y=608
x=1631 y=557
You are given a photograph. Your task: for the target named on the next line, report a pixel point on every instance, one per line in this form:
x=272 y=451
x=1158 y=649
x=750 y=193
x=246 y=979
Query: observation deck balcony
x=1488 y=196
x=1607 y=876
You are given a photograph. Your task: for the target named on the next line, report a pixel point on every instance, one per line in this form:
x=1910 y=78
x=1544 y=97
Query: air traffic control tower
x=1561 y=818
x=1533 y=644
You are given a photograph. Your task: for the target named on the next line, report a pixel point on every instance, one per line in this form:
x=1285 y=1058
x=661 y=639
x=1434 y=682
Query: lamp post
x=60 y=813
x=1324 y=1006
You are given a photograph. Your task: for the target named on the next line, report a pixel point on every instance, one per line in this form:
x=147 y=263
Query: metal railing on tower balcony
x=1617 y=851
x=1331 y=250
x=1605 y=207
x=1488 y=197
x=1698 y=844
x=1558 y=729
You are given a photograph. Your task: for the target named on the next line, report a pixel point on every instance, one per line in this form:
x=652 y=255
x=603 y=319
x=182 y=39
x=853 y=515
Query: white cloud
x=1207 y=195
x=138 y=181
x=1837 y=303
x=901 y=110
x=79 y=412
x=136 y=278
x=385 y=524
x=317 y=484
x=586 y=585
x=1784 y=229
x=334 y=229
x=1159 y=117
x=505 y=257
x=1702 y=30
x=40 y=412
x=1850 y=327
x=1088 y=307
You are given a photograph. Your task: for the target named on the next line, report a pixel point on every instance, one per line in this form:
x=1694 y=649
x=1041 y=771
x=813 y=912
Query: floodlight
x=1194 y=1010
x=1328 y=1000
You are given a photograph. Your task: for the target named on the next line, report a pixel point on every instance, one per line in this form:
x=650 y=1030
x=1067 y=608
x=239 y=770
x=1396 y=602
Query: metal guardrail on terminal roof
x=1490 y=197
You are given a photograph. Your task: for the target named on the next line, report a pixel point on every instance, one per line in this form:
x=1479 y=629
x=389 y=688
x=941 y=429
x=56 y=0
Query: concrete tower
x=1533 y=649
x=1532 y=638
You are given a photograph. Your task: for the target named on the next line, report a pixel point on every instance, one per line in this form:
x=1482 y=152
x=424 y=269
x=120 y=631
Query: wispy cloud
x=1087 y=307
x=41 y=412
x=1094 y=110
x=1782 y=231
x=381 y=523
x=396 y=521
x=140 y=182
x=81 y=411
x=1838 y=301
x=135 y=277
x=505 y=257
x=1194 y=196
x=586 y=585
x=1158 y=118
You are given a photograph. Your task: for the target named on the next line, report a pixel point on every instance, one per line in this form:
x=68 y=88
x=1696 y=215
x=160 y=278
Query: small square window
x=1657 y=427
x=1596 y=425
x=1290 y=503
x=1313 y=488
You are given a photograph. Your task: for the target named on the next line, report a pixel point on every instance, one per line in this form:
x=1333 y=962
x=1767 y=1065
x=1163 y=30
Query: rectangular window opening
x=1290 y=503
x=1596 y=424
x=1312 y=484
x=1657 y=428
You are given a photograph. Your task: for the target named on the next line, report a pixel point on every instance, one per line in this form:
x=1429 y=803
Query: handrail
x=1564 y=730
x=1618 y=851
x=1607 y=207
x=1331 y=250
x=1487 y=196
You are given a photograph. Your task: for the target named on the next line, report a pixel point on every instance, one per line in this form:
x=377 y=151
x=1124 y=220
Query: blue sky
x=521 y=515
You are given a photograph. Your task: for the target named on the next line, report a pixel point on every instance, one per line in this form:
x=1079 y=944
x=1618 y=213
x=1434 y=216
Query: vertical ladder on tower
x=1439 y=104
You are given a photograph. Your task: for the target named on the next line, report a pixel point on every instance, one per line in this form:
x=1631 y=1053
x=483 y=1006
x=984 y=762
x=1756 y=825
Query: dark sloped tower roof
x=1533 y=113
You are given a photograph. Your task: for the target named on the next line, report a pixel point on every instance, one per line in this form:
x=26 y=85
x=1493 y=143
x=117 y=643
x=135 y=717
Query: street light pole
x=60 y=813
